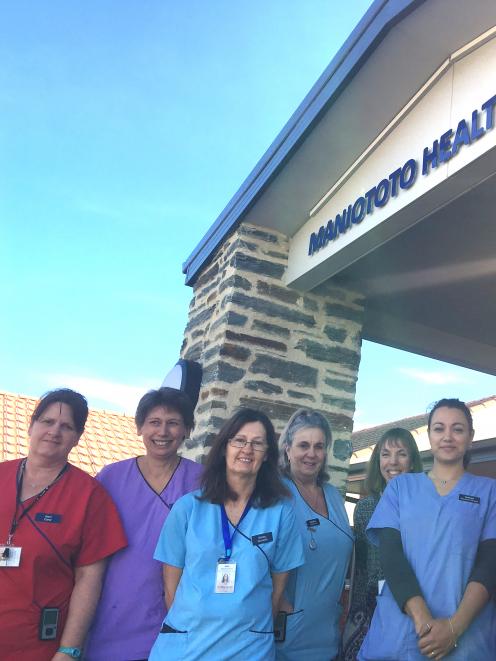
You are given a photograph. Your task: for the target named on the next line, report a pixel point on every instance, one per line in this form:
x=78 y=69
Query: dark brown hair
x=374 y=482
x=269 y=487
x=74 y=400
x=169 y=398
x=453 y=403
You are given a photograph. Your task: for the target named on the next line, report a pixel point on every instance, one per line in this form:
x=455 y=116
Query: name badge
x=226 y=577
x=263 y=538
x=312 y=523
x=469 y=499
x=10 y=556
x=48 y=518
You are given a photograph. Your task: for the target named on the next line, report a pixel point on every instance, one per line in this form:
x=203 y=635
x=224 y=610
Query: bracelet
x=73 y=652
x=455 y=641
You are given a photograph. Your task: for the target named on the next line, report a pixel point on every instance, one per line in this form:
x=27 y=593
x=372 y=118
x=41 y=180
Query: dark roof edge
x=371 y=29
x=397 y=423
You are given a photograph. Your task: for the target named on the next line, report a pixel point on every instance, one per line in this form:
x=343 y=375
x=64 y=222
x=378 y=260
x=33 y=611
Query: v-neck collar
x=328 y=517
x=157 y=493
x=454 y=490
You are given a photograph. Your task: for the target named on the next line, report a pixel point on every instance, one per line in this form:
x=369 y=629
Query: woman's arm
x=82 y=605
x=172 y=576
x=444 y=633
x=279 y=580
x=474 y=599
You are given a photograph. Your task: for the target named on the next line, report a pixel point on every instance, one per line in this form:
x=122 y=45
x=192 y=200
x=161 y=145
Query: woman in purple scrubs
x=145 y=488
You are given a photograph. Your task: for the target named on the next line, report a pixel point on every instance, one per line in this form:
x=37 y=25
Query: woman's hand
x=438 y=639
x=418 y=610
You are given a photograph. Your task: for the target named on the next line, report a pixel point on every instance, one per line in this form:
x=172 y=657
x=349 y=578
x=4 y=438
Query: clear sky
x=125 y=128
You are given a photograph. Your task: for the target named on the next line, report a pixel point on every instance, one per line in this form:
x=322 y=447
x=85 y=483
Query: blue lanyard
x=228 y=538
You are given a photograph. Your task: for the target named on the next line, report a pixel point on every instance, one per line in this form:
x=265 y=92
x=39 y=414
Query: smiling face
x=163 y=431
x=247 y=461
x=450 y=435
x=53 y=435
x=307 y=453
x=394 y=459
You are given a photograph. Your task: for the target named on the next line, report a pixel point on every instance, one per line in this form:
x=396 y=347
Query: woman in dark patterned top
x=395 y=453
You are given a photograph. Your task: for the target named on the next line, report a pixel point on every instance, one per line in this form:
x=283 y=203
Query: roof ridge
x=91 y=409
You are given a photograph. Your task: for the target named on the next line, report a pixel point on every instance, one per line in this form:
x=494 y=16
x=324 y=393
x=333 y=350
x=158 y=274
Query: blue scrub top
x=314 y=589
x=440 y=536
x=235 y=625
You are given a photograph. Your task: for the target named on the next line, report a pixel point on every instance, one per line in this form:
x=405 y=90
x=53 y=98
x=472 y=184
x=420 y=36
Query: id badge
x=10 y=556
x=226 y=577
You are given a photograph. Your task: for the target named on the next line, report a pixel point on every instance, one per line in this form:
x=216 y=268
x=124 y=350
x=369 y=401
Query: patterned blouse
x=367 y=574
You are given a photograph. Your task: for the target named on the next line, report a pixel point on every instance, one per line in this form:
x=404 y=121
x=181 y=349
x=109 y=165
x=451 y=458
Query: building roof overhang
x=313 y=150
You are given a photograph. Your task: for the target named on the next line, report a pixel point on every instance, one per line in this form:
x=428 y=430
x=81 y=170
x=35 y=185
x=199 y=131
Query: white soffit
x=460 y=85
x=407 y=56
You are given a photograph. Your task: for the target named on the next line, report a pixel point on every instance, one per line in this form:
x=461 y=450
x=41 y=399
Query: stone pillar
x=264 y=345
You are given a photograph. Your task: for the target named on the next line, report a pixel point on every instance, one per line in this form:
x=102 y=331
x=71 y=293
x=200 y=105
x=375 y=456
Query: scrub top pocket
x=294 y=626
x=259 y=645
x=385 y=641
x=466 y=528
x=170 y=646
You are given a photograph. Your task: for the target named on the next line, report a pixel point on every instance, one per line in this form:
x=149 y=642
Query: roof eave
x=372 y=28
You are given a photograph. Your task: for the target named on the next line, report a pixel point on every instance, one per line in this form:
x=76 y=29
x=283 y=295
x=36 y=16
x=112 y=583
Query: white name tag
x=226 y=577
x=10 y=556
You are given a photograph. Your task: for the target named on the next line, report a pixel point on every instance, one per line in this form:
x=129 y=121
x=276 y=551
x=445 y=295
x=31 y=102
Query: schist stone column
x=264 y=345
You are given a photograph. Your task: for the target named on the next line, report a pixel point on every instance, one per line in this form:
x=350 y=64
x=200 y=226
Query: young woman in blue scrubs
x=313 y=591
x=437 y=540
x=227 y=550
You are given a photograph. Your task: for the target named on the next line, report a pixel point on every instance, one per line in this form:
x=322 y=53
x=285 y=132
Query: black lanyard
x=20 y=476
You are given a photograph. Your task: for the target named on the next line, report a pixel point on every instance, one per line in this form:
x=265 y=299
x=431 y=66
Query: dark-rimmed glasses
x=238 y=442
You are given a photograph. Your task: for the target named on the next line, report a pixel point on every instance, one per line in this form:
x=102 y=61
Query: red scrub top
x=85 y=527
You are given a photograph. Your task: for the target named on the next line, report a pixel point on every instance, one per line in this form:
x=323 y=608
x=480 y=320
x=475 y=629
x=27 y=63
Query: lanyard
x=16 y=521
x=228 y=538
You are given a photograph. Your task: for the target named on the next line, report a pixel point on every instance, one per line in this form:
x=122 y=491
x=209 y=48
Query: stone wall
x=264 y=345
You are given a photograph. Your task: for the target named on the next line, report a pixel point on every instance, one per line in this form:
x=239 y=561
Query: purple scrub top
x=131 y=608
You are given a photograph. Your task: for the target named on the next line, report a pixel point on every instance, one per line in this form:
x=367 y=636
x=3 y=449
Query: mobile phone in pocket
x=280 y=626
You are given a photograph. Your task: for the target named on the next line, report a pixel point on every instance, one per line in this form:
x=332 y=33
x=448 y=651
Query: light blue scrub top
x=235 y=625
x=312 y=631
x=440 y=536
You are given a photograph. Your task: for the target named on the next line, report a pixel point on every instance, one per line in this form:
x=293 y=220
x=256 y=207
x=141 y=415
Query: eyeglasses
x=258 y=446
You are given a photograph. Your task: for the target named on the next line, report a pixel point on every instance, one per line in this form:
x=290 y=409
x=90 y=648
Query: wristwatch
x=73 y=652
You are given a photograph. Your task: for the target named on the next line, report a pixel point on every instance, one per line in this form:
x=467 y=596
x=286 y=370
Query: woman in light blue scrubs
x=437 y=537
x=227 y=550
x=311 y=599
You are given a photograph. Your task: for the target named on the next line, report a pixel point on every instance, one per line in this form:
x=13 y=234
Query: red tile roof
x=108 y=436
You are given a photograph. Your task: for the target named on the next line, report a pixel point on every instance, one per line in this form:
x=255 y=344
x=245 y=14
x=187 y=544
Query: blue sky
x=125 y=128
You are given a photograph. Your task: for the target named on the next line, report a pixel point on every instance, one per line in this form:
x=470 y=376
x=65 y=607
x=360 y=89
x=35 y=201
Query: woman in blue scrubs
x=227 y=550
x=437 y=540
x=311 y=599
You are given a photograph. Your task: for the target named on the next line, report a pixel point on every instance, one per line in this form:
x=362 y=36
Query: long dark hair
x=453 y=403
x=269 y=487
x=374 y=482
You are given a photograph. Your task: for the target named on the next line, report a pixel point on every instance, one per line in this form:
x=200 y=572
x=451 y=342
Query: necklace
x=442 y=482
